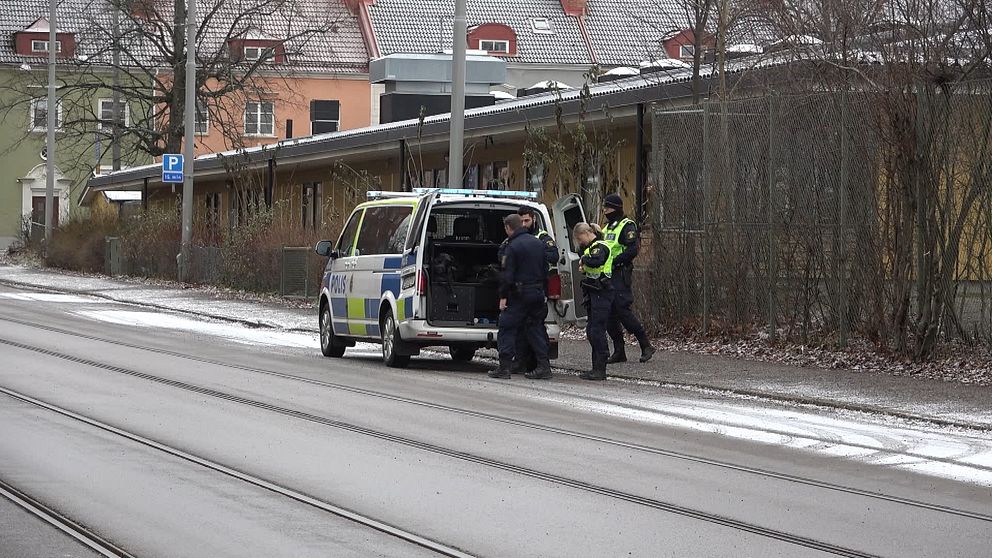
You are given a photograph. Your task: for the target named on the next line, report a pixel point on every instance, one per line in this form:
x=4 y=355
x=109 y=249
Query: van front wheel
x=330 y=344
x=390 y=342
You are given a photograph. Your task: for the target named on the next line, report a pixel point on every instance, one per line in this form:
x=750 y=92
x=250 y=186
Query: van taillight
x=421 y=282
x=554 y=287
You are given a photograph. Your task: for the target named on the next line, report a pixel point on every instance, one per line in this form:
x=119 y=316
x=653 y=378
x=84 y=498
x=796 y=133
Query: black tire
x=390 y=340
x=462 y=354
x=330 y=345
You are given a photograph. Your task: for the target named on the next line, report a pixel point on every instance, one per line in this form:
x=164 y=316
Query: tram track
x=74 y=529
x=760 y=472
x=55 y=519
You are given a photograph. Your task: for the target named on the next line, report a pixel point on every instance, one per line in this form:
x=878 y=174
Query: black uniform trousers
x=600 y=304
x=621 y=315
x=523 y=319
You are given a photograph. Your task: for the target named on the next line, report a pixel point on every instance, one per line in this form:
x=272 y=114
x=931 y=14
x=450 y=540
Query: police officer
x=528 y=215
x=596 y=265
x=621 y=235
x=522 y=300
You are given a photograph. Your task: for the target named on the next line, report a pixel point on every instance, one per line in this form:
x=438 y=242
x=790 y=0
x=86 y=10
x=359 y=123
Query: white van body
x=418 y=269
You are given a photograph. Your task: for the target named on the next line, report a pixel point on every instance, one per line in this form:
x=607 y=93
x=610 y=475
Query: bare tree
x=135 y=51
x=914 y=62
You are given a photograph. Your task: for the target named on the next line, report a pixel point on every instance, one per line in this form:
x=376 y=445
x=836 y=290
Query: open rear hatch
x=567 y=212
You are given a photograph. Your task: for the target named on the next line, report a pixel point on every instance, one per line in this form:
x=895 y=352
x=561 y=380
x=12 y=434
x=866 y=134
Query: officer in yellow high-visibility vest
x=622 y=236
x=596 y=265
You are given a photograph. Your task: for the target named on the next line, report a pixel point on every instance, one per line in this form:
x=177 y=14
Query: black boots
x=542 y=372
x=647 y=351
x=619 y=355
x=598 y=371
x=503 y=371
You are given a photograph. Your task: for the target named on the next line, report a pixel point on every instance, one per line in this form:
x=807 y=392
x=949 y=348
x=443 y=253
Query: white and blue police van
x=420 y=269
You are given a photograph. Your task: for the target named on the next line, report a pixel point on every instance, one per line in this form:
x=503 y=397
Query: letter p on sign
x=172 y=168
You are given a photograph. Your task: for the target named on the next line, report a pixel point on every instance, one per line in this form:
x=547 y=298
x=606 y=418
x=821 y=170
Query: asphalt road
x=162 y=435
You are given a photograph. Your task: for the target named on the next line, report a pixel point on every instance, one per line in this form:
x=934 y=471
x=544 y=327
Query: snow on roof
x=550 y=84
x=745 y=49
x=664 y=64
x=622 y=71
x=122 y=195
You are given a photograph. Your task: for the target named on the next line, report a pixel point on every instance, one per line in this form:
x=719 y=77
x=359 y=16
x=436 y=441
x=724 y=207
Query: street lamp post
x=189 y=137
x=457 y=128
x=52 y=121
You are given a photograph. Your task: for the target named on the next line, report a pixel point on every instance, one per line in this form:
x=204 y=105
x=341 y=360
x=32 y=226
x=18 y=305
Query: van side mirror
x=326 y=248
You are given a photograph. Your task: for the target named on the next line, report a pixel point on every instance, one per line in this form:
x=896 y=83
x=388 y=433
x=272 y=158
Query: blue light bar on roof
x=482 y=193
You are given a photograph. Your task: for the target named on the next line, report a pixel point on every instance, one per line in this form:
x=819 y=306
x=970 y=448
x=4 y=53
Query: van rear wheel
x=390 y=341
x=330 y=344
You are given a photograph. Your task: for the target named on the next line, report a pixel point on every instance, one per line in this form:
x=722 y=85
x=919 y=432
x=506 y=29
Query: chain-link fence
x=819 y=216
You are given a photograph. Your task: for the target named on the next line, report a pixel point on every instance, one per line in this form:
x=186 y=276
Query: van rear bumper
x=419 y=332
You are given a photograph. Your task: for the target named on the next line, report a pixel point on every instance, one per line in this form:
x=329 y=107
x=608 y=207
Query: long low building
x=590 y=140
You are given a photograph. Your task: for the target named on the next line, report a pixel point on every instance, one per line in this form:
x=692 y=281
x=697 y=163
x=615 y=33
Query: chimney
x=574 y=8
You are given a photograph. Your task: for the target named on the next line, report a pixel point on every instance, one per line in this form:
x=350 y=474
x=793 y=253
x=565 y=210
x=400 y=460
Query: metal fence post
x=845 y=168
x=705 y=240
x=772 y=253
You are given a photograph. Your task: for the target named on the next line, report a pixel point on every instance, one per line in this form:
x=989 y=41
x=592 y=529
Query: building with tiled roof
x=312 y=78
x=540 y=40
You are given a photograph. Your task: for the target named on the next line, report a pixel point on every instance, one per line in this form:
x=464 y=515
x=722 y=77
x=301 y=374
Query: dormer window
x=541 y=25
x=33 y=41
x=495 y=39
x=42 y=46
x=255 y=51
x=494 y=47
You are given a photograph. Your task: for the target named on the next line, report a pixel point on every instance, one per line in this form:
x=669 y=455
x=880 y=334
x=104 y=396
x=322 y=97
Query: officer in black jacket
x=522 y=300
x=622 y=236
x=524 y=361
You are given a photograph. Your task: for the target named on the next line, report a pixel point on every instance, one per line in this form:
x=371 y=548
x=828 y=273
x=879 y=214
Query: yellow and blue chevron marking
x=359 y=316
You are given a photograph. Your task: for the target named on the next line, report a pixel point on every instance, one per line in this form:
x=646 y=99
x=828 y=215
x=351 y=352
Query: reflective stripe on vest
x=605 y=269
x=611 y=235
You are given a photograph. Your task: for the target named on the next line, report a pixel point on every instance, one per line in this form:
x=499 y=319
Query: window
x=496 y=175
x=471 y=178
x=256 y=53
x=213 y=215
x=259 y=119
x=42 y=46
x=384 y=230
x=325 y=116
x=347 y=239
x=39 y=114
x=687 y=51
x=244 y=204
x=494 y=46
x=541 y=25
x=202 y=122
x=311 y=205
x=108 y=115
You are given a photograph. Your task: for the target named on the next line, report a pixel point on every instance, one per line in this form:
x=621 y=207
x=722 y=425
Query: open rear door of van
x=568 y=212
x=412 y=275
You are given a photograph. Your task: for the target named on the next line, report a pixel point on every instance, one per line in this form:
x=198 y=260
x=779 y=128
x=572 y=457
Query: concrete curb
x=723 y=390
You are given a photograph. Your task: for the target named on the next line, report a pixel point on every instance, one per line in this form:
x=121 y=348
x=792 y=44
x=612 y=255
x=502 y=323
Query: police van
x=420 y=269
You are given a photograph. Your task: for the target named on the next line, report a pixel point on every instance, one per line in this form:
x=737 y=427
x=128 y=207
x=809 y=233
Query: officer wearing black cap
x=522 y=302
x=622 y=236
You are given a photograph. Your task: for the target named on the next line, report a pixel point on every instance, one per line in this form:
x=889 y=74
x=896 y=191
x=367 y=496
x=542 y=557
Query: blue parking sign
x=172 y=168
